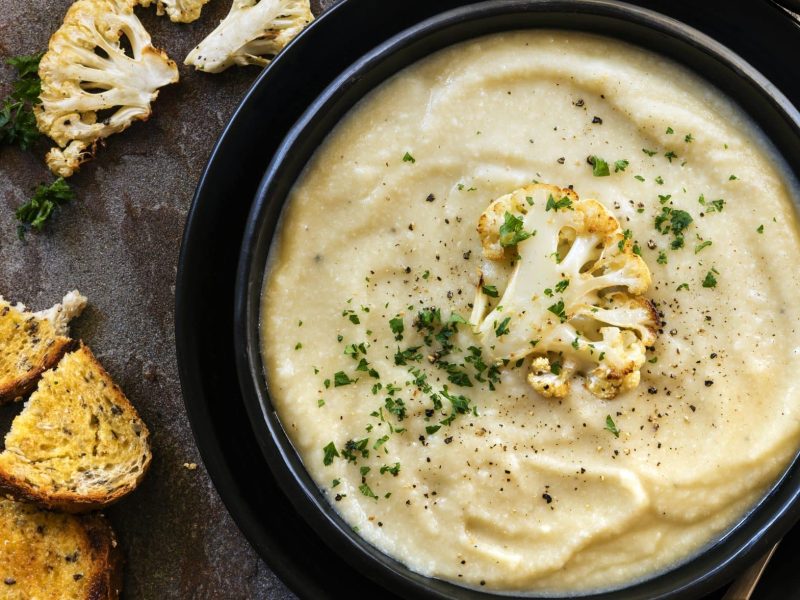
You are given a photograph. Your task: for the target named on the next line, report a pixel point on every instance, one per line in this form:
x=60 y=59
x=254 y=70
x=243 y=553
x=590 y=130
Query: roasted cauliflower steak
x=573 y=300
x=99 y=75
x=251 y=33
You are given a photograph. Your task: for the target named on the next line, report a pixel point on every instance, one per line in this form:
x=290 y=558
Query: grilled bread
x=78 y=444
x=46 y=555
x=31 y=343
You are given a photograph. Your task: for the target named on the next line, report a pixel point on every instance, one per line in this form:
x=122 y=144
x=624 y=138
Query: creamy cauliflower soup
x=531 y=316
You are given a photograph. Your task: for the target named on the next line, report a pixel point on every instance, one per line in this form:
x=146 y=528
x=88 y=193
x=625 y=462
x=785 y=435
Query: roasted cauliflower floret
x=86 y=70
x=253 y=31
x=573 y=299
x=179 y=11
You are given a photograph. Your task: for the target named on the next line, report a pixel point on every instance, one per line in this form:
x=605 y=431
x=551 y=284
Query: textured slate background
x=119 y=244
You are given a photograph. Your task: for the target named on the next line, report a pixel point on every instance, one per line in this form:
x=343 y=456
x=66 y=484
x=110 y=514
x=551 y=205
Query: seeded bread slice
x=47 y=555
x=78 y=444
x=31 y=343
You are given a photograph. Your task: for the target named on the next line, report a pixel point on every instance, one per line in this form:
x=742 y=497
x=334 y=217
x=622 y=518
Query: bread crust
x=73 y=502
x=16 y=389
x=38 y=539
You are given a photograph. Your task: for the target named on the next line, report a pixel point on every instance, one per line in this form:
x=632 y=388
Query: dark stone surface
x=118 y=244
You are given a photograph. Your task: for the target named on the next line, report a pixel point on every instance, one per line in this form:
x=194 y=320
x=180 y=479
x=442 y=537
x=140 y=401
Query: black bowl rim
x=766 y=522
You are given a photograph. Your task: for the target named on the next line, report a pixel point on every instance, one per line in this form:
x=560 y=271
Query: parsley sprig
x=17 y=121
x=36 y=211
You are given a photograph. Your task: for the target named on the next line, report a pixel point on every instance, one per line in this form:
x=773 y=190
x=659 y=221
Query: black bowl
x=717 y=563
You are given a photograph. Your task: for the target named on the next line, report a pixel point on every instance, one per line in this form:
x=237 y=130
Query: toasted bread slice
x=78 y=444
x=31 y=343
x=51 y=555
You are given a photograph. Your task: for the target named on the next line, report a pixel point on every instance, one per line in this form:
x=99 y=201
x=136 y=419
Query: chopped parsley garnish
x=321 y=402
x=502 y=329
x=675 y=221
x=760 y=229
x=611 y=426
x=511 y=232
x=490 y=290
x=599 y=167
x=558 y=310
x=365 y=489
x=702 y=245
x=670 y=155
x=411 y=354
x=363 y=365
x=380 y=442
x=639 y=177
x=394 y=469
x=396 y=406
x=431 y=429
x=670 y=131
x=688 y=139
x=711 y=205
x=340 y=378
x=683 y=286
x=298 y=346
x=732 y=177
x=662 y=257
x=620 y=165
x=555 y=368
x=36 y=211
x=562 y=285
x=555 y=205
x=626 y=235
x=664 y=199
x=354 y=448
x=548 y=292
x=408 y=158
x=659 y=180
x=710 y=281
x=649 y=152
x=329 y=453
x=397 y=327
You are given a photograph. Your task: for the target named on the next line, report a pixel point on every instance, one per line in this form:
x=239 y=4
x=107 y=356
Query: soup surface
x=453 y=464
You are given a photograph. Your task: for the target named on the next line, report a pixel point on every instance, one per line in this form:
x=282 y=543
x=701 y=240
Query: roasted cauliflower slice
x=252 y=31
x=573 y=299
x=178 y=11
x=86 y=70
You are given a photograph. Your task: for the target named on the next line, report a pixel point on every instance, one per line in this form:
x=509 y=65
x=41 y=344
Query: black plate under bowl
x=210 y=249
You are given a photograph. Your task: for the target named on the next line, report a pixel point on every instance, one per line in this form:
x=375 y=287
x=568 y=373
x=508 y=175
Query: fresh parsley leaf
x=702 y=245
x=46 y=198
x=502 y=329
x=397 y=327
x=341 y=378
x=710 y=281
x=394 y=469
x=639 y=177
x=562 y=285
x=431 y=429
x=17 y=122
x=599 y=166
x=555 y=205
x=683 y=286
x=670 y=155
x=649 y=152
x=329 y=453
x=611 y=426
x=620 y=165
x=662 y=257
x=511 y=232
x=408 y=158
x=490 y=290
x=760 y=229
x=365 y=489
x=558 y=310
x=688 y=139
x=670 y=131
